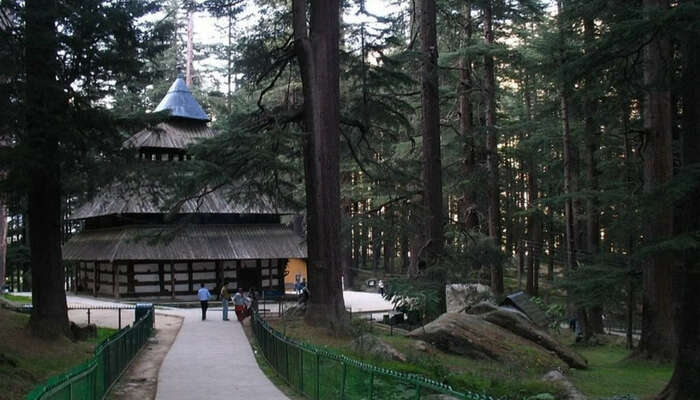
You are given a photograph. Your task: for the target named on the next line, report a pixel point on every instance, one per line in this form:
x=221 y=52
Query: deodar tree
x=316 y=47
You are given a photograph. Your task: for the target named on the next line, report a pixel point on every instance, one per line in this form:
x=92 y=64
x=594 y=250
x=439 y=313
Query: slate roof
x=181 y=103
x=188 y=242
x=521 y=301
x=119 y=200
x=173 y=134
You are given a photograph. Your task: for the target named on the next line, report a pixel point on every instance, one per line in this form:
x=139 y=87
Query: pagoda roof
x=172 y=134
x=187 y=242
x=121 y=199
x=181 y=103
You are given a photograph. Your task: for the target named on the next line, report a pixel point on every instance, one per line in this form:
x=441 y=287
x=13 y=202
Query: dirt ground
x=140 y=380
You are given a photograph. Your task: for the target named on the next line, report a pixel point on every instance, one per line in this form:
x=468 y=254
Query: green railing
x=93 y=379
x=322 y=375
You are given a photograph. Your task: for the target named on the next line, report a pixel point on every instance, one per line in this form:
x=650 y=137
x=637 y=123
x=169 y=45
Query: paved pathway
x=212 y=359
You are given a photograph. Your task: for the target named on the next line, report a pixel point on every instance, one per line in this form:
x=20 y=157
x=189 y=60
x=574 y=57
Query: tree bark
x=3 y=242
x=468 y=214
x=685 y=382
x=45 y=110
x=430 y=113
x=317 y=52
x=494 y=206
x=658 y=334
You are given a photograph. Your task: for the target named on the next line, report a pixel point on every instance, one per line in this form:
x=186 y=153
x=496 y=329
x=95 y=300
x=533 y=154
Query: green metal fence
x=93 y=379
x=322 y=375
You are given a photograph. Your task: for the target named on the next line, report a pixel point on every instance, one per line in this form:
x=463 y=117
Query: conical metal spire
x=181 y=103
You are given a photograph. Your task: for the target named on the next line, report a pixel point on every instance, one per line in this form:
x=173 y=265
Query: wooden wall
x=155 y=278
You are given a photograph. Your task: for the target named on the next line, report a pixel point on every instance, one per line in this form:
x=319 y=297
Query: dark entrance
x=249 y=277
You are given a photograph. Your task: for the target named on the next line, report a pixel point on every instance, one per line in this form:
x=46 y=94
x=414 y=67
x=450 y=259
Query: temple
x=130 y=245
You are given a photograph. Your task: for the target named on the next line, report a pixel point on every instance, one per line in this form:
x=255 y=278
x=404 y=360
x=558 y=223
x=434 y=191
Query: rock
x=422 y=346
x=560 y=380
x=472 y=336
x=516 y=323
x=464 y=295
x=481 y=308
x=374 y=346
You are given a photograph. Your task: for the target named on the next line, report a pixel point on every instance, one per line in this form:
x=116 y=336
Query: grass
x=509 y=380
x=17 y=299
x=26 y=361
x=612 y=372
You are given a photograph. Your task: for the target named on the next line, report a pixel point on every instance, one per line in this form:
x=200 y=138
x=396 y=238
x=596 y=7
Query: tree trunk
x=45 y=110
x=685 y=382
x=389 y=241
x=430 y=113
x=494 y=210
x=467 y=205
x=658 y=334
x=317 y=52
x=592 y=137
x=3 y=242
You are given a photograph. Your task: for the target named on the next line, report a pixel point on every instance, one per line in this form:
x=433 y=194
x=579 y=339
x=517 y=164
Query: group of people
x=242 y=303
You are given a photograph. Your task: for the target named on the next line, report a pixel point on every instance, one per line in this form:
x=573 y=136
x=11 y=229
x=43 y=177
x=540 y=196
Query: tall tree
x=46 y=109
x=430 y=113
x=685 y=382
x=493 y=189
x=658 y=334
x=468 y=213
x=317 y=51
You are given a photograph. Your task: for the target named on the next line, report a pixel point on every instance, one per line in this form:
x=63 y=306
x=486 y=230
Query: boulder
x=474 y=337
x=516 y=323
x=464 y=295
x=560 y=380
x=422 y=346
x=481 y=308
x=372 y=345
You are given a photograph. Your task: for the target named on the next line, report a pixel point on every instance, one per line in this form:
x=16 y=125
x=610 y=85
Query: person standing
x=204 y=297
x=224 y=296
x=380 y=286
x=239 y=305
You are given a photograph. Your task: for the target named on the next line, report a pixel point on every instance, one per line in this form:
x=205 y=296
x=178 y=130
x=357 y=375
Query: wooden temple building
x=221 y=240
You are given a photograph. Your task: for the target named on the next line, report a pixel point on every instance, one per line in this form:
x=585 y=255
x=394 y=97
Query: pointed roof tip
x=181 y=103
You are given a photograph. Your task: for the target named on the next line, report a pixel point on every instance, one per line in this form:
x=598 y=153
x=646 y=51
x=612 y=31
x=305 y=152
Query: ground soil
x=140 y=380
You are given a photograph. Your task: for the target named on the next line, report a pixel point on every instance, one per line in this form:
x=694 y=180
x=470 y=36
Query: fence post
x=88 y=316
x=371 y=385
x=286 y=360
x=120 y=319
x=301 y=370
x=342 y=384
x=318 y=376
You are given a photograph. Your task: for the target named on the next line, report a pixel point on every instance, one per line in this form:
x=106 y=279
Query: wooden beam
x=190 y=276
x=95 y=277
x=130 y=278
x=172 y=280
x=219 y=274
x=115 y=279
x=161 y=277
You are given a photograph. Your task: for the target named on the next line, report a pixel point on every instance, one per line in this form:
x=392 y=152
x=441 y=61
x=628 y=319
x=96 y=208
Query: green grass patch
x=17 y=299
x=26 y=361
x=507 y=380
x=612 y=372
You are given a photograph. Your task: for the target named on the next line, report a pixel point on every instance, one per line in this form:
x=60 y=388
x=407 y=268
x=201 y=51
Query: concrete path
x=212 y=359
